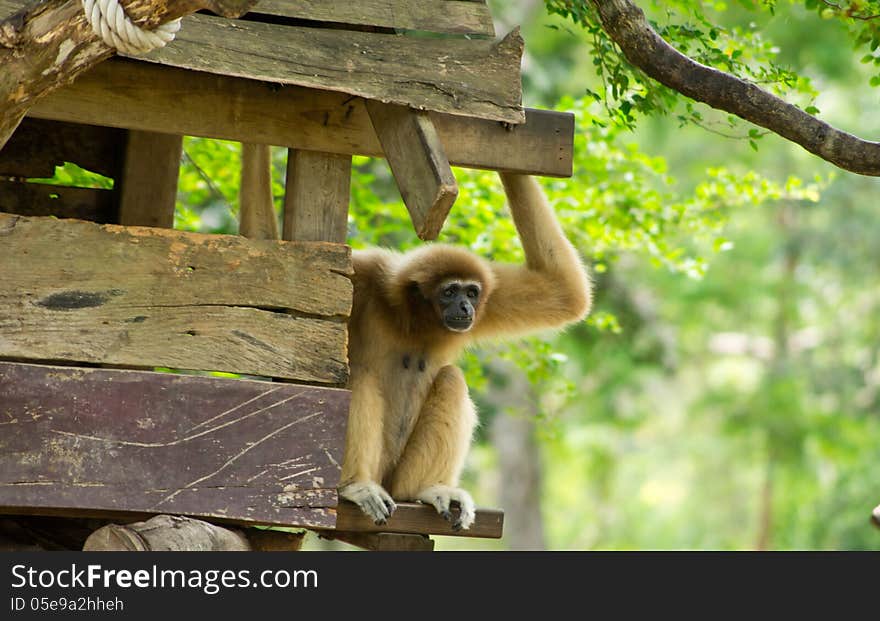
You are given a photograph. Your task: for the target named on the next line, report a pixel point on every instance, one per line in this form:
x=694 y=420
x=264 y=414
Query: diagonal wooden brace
x=418 y=162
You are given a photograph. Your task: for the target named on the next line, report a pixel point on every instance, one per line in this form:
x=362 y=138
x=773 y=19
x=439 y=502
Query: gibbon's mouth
x=459 y=324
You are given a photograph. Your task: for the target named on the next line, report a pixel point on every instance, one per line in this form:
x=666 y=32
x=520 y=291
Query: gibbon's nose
x=466 y=309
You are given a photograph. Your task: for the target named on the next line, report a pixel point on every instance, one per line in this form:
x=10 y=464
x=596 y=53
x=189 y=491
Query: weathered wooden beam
x=477 y=77
x=49 y=43
x=129 y=94
x=147 y=297
x=256 y=218
x=38 y=146
x=419 y=519
x=316 y=197
x=166 y=533
x=148 y=187
x=450 y=16
x=119 y=443
x=39 y=199
x=418 y=162
x=383 y=542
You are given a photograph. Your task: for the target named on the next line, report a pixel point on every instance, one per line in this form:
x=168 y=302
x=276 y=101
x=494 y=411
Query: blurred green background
x=725 y=393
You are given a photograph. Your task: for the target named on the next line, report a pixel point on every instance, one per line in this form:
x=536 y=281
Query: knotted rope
x=109 y=21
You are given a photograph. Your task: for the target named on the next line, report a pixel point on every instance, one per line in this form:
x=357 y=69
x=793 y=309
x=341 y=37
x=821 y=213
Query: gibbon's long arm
x=552 y=289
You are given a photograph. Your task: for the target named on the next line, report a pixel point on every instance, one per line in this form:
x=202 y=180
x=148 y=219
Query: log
x=317 y=195
x=419 y=164
x=129 y=94
x=257 y=219
x=111 y=443
x=48 y=44
x=469 y=17
x=184 y=300
x=148 y=187
x=166 y=533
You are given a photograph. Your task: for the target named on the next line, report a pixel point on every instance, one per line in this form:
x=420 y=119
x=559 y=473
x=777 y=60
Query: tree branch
x=626 y=24
x=49 y=43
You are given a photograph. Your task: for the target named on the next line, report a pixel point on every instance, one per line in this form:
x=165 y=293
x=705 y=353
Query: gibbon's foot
x=371 y=498
x=442 y=496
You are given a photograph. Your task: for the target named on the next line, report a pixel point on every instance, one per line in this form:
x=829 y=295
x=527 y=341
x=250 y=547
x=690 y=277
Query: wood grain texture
x=102 y=442
x=472 y=77
x=316 y=197
x=449 y=16
x=256 y=217
x=123 y=93
x=418 y=162
x=419 y=519
x=148 y=187
x=38 y=146
x=39 y=199
x=146 y=297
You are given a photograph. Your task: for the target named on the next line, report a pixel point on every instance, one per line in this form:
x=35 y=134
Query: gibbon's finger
x=468 y=511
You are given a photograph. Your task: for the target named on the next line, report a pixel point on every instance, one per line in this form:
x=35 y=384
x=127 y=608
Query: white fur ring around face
x=442 y=496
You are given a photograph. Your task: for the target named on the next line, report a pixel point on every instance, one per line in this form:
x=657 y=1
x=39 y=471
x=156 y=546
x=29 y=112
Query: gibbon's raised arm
x=552 y=289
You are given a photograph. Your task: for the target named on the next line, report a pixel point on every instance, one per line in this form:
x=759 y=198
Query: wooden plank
x=256 y=219
x=419 y=519
x=148 y=187
x=146 y=297
x=103 y=442
x=419 y=164
x=123 y=93
x=316 y=197
x=472 y=77
x=449 y=16
x=383 y=542
x=38 y=146
x=39 y=199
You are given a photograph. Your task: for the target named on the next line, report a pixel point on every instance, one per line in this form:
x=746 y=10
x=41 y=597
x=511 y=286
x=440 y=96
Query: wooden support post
x=419 y=164
x=149 y=179
x=257 y=218
x=165 y=533
x=316 y=201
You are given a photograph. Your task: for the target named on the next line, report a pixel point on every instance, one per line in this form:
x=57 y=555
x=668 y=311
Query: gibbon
x=411 y=418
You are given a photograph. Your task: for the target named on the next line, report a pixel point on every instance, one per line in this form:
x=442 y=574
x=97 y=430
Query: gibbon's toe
x=442 y=497
x=372 y=499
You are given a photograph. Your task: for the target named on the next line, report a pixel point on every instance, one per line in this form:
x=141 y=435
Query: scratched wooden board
x=142 y=297
x=470 y=77
x=103 y=442
x=450 y=16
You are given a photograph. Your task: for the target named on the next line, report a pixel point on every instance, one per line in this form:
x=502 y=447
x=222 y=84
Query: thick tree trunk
x=626 y=24
x=48 y=44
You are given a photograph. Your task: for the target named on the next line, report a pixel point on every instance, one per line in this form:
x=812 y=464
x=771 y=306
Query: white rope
x=109 y=21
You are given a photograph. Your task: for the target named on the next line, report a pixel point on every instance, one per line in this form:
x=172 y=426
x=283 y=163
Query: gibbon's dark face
x=457 y=302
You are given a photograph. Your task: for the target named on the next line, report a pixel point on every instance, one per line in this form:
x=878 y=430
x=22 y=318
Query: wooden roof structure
x=423 y=83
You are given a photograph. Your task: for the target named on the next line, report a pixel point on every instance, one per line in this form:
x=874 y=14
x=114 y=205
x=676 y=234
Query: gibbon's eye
x=473 y=292
x=450 y=291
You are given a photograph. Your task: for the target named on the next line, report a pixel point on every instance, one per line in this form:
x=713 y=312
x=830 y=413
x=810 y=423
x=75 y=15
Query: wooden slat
x=419 y=164
x=472 y=77
x=102 y=442
x=383 y=542
x=146 y=297
x=419 y=519
x=450 y=16
x=38 y=199
x=256 y=219
x=148 y=188
x=37 y=146
x=316 y=197
x=122 y=93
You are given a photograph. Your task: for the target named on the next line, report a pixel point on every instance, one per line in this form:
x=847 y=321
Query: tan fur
x=410 y=427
